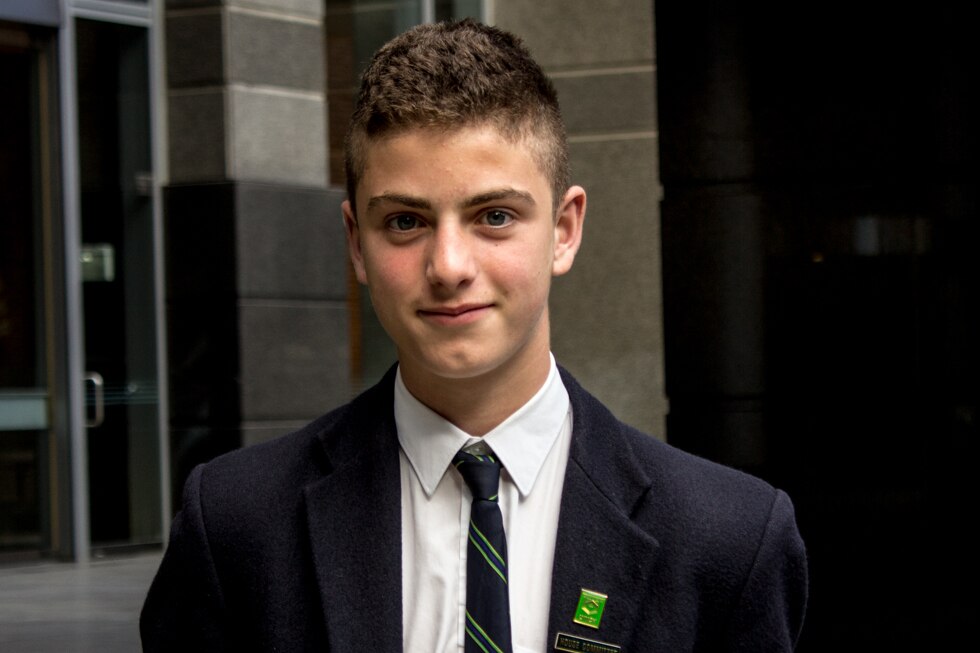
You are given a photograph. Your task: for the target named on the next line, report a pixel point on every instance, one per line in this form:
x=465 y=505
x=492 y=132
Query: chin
x=459 y=366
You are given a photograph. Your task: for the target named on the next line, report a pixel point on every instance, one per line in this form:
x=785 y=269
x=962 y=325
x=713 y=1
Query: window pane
x=20 y=274
x=446 y=9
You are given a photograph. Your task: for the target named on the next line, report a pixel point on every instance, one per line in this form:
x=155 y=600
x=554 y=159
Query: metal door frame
x=150 y=16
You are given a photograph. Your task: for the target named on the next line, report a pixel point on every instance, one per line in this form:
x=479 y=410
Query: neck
x=479 y=404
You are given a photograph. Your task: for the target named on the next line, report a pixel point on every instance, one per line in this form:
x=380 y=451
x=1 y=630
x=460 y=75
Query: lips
x=451 y=315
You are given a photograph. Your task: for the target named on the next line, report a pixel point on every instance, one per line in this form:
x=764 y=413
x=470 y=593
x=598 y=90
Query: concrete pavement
x=63 y=607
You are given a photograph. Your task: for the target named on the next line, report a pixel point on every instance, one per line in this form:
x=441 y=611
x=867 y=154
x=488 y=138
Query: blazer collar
x=599 y=547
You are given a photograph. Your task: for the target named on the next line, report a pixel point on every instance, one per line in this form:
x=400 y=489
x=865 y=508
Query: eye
x=403 y=222
x=497 y=218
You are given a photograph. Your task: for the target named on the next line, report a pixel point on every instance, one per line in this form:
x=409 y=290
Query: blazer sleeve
x=769 y=613
x=185 y=609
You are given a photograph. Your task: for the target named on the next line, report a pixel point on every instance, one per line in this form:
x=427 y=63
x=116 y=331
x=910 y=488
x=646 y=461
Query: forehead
x=519 y=142
x=437 y=158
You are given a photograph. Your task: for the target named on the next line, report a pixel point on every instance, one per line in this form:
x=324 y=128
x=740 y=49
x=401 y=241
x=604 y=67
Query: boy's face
x=457 y=239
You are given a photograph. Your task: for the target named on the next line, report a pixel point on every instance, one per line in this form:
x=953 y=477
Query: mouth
x=462 y=314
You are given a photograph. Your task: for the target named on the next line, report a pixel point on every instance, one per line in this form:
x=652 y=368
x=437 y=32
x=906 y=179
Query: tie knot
x=481 y=473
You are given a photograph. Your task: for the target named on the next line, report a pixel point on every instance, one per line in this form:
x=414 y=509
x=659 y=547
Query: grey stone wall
x=256 y=262
x=607 y=312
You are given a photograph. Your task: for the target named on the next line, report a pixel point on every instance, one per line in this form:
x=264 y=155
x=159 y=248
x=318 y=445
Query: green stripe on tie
x=476 y=641
x=489 y=561
x=482 y=632
x=487 y=542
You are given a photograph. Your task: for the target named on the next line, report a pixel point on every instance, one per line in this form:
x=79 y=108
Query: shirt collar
x=521 y=442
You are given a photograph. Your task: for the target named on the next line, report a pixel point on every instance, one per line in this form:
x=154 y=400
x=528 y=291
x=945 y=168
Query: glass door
x=118 y=297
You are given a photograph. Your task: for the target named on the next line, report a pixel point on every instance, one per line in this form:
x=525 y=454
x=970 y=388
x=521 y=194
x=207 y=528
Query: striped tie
x=487 y=603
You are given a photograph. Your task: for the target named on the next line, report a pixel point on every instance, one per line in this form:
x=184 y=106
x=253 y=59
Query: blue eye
x=497 y=218
x=403 y=222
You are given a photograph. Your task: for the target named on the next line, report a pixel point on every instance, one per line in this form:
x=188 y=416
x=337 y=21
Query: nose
x=450 y=262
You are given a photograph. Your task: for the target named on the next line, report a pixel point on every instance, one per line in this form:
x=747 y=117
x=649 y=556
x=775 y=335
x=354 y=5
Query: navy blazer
x=294 y=545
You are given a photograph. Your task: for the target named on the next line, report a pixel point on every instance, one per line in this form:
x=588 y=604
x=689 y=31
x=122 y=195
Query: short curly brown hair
x=456 y=74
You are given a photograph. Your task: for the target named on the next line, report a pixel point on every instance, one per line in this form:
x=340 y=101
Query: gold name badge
x=573 y=644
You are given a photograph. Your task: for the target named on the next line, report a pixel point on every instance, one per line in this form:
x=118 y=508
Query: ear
x=354 y=242
x=569 y=222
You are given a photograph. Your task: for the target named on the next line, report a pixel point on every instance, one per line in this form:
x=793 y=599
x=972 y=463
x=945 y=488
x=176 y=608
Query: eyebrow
x=397 y=198
x=500 y=194
x=422 y=204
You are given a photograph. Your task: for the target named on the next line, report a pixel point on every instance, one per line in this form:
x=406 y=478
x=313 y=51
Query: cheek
x=387 y=286
x=388 y=292
x=386 y=266
x=525 y=272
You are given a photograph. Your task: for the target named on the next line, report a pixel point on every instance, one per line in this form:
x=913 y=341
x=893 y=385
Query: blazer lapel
x=354 y=516
x=598 y=546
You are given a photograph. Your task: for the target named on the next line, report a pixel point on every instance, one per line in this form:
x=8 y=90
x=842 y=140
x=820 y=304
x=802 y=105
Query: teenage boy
x=369 y=530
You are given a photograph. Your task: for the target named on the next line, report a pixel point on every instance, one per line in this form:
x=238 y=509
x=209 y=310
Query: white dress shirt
x=532 y=444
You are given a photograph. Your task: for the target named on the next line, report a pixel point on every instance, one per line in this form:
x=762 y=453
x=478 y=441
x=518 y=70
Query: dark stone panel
x=714 y=245
x=291 y=243
x=197 y=136
x=259 y=432
x=204 y=384
x=310 y=8
x=200 y=242
x=608 y=33
x=295 y=359
x=275 y=52
x=183 y=4
x=601 y=103
x=40 y=12
x=195 y=52
x=202 y=325
x=203 y=364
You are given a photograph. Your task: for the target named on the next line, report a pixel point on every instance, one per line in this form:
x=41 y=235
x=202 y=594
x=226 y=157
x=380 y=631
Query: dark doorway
x=820 y=228
x=118 y=299
x=26 y=452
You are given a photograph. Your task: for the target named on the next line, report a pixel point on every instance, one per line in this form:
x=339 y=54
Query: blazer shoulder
x=671 y=493
x=705 y=485
x=733 y=535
